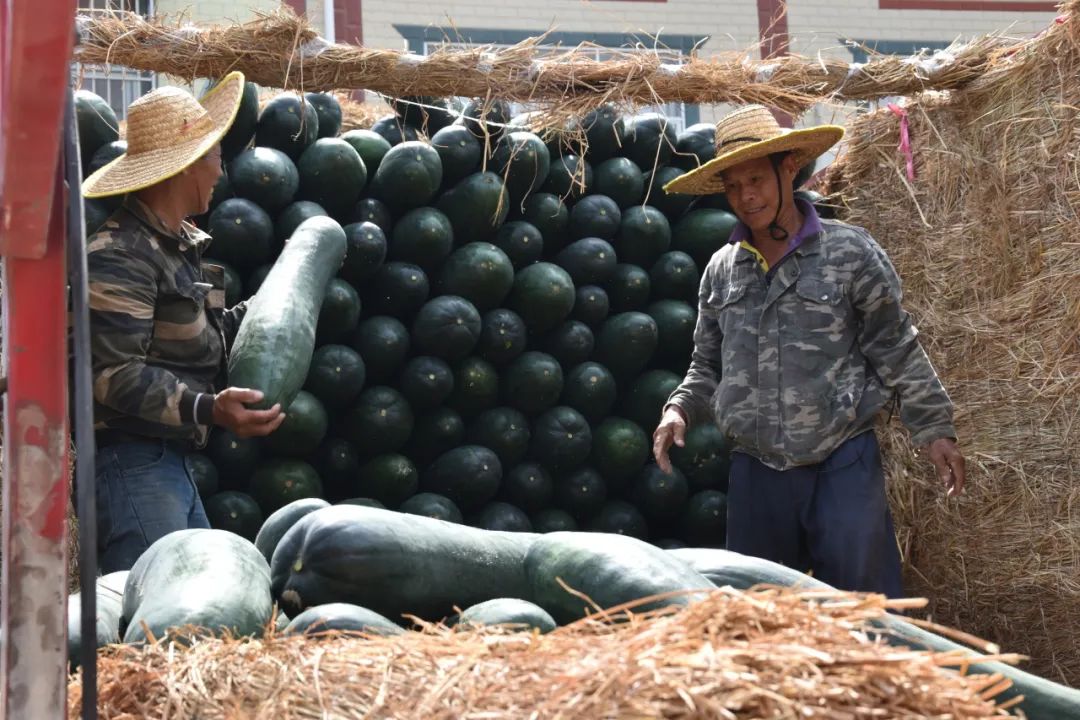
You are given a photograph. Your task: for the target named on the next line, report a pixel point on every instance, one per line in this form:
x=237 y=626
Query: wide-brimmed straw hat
x=750 y=133
x=167 y=131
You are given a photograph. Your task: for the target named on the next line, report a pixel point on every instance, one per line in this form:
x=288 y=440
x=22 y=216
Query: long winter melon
x=395 y=563
x=110 y=599
x=211 y=579
x=276 y=339
x=1043 y=700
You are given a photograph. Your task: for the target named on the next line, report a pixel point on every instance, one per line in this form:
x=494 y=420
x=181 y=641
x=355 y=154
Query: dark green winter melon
x=621 y=180
x=522 y=160
x=370 y=146
x=705 y=458
x=510 y=613
x=476 y=387
x=561 y=439
x=397 y=289
x=434 y=433
x=479 y=272
x=331 y=174
x=620 y=449
x=292 y=217
x=409 y=176
x=591 y=305
x=569 y=178
x=243 y=234
x=265 y=176
x=700 y=233
x=287 y=123
x=504 y=431
x=433 y=506
x=644 y=235
x=105 y=155
x=328 y=109
x=553 y=520
x=485 y=118
x=695 y=146
x=673 y=205
x=660 y=496
x=236 y=512
x=532 y=382
x=460 y=152
x=240 y=133
x=390 y=479
x=547 y=213
x=543 y=295
x=675 y=321
x=447 y=326
x=203 y=473
x=97 y=124
x=502 y=336
x=337 y=463
x=625 y=343
x=649 y=140
x=426 y=382
x=339 y=315
x=603 y=128
x=595 y=216
x=571 y=343
x=589 y=261
x=469 y=475
x=276 y=483
x=502 y=517
x=365 y=252
x=590 y=389
x=522 y=243
x=394 y=131
x=422 y=237
x=647 y=397
x=477 y=206
x=383 y=344
x=373 y=211
x=527 y=486
x=619 y=517
x=305 y=427
x=425 y=113
x=234 y=457
x=675 y=277
x=628 y=288
x=580 y=493
x=380 y=421
x=705 y=519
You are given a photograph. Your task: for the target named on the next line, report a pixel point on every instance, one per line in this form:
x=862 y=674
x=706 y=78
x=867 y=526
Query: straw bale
x=766 y=653
x=281 y=50
x=985 y=240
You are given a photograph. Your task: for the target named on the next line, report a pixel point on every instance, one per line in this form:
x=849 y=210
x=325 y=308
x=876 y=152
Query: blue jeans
x=832 y=517
x=144 y=492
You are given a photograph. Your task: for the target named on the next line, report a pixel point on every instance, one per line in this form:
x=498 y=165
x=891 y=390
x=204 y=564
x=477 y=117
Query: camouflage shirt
x=159 y=328
x=792 y=368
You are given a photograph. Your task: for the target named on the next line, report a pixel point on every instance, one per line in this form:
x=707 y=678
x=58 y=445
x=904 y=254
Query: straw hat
x=167 y=131
x=750 y=133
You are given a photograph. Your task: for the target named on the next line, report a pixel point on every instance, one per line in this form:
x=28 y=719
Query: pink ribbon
x=905 y=139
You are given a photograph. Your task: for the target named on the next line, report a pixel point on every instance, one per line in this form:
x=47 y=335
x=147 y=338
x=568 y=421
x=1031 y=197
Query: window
x=118 y=85
x=676 y=112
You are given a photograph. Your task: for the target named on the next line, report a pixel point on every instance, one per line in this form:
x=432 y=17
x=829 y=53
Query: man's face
x=753 y=192
x=207 y=170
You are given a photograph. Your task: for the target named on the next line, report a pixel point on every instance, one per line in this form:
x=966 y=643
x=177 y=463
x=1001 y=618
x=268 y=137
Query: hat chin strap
x=776 y=232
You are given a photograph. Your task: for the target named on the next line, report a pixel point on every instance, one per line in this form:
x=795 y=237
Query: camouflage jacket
x=791 y=369
x=159 y=328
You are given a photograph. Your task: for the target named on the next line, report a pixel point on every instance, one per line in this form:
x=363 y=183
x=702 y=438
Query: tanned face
x=753 y=192
x=204 y=174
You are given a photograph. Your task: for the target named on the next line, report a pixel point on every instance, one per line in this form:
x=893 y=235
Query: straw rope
x=765 y=653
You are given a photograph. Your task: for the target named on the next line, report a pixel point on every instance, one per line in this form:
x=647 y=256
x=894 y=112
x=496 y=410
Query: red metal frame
x=36 y=47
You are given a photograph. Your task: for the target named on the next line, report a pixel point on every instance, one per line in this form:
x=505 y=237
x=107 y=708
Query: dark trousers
x=831 y=518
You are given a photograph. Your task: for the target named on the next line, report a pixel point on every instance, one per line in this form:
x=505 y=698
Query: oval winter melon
x=532 y=382
x=591 y=305
x=523 y=161
x=364 y=254
x=426 y=382
x=527 y=486
x=397 y=289
x=649 y=140
x=621 y=180
x=460 y=153
x=279 y=482
x=521 y=241
x=409 y=176
x=504 y=431
x=501 y=517
x=447 y=326
x=380 y=421
x=543 y=295
x=476 y=387
x=243 y=234
x=590 y=389
x=595 y=216
x=477 y=206
x=331 y=174
x=675 y=277
x=265 y=176
x=628 y=288
x=561 y=439
x=370 y=146
x=424 y=237
x=287 y=123
x=479 y=272
x=328 y=110
x=644 y=235
x=383 y=344
x=700 y=233
x=626 y=343
x=305 y=426
x=548 y=214
x=589 y=261
x=469 y=475
x=571 y=343
x=391 y=479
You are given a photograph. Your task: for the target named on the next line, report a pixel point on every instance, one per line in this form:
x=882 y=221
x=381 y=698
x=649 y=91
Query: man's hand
x=949 y=463
x=672 y=429
x=230 y=412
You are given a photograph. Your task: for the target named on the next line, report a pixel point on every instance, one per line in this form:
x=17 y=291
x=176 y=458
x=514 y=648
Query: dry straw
x=985 y=239
x=281 y=50
x=766 y=653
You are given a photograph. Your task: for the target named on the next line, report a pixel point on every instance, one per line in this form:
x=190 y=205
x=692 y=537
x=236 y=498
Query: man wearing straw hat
x=159 y=328
x=801 y=341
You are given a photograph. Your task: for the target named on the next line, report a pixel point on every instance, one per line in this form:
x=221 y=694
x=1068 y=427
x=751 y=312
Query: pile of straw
x=760 y=654
x=281 y=50
x=986 y=241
